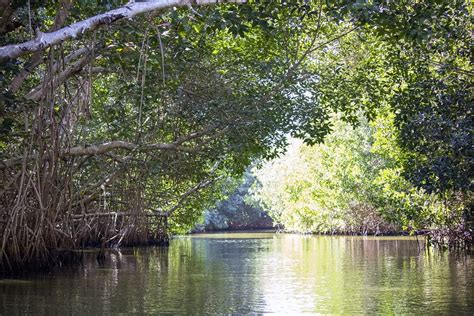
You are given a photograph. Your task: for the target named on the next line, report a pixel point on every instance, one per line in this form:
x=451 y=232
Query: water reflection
x=254 y=273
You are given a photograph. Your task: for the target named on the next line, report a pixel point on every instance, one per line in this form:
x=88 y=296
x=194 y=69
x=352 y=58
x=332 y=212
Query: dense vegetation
x=119 y=126
x=353 y=183
x=410 y=167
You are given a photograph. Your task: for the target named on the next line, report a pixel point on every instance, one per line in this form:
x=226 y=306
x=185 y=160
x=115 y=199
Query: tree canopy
x=119 y=120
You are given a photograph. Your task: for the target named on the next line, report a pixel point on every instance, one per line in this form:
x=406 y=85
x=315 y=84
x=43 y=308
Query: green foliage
x=415 y=56
x=321 y=188
x=351 y=183
x=243 y=78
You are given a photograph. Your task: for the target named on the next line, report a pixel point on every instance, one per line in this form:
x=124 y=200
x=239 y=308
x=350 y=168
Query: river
x=241 y=273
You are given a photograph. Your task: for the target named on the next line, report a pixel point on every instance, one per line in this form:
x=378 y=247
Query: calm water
x=258 y=273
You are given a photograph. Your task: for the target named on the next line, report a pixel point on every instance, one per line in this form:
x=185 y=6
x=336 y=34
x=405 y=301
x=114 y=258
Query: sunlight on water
x=237 y=273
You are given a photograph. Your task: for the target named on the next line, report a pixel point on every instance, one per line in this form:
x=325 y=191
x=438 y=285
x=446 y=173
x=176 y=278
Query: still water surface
x=241 y=273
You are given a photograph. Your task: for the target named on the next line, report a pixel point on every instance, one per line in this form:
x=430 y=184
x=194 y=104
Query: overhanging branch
x=45 y=40
x=107 y=147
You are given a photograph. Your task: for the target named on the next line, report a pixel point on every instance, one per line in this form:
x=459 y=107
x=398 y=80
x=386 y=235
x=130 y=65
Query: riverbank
x=455 y=238
x=59 y=258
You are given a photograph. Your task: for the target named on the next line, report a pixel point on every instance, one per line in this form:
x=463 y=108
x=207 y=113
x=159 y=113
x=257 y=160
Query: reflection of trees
x=353 y=274
x=192 y=275
x=214 y=275
x=286 y=273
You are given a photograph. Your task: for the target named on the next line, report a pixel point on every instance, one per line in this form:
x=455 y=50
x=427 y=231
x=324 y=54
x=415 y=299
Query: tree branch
x=184 y=197
x=76 y=67
x=45 y=40
x=118 y=214
x=194 y=189
x=37 y=59
x=118 y=144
